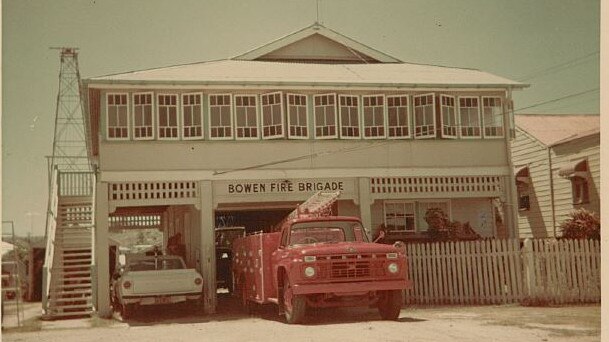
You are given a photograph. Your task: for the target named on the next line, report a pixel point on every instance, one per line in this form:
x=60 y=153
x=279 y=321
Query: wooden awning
x=522 y=174
x=576 y=168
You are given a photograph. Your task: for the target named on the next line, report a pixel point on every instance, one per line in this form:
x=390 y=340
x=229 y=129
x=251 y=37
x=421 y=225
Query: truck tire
x=390 y=304
x=295 y=305
x=127 y=310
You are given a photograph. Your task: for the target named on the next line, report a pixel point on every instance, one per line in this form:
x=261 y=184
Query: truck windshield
x=306 y=233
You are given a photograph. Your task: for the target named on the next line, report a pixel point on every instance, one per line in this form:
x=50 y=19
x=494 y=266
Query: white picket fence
x=504 y=271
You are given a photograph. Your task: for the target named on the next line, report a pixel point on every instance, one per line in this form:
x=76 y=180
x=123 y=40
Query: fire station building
x=241 y=141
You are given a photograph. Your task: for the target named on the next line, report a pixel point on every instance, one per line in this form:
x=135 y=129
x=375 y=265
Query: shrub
x=581 y=224
x=440 y=228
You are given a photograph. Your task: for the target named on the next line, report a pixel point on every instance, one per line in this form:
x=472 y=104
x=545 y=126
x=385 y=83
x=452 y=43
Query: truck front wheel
x=390 y=304
x=295 y=305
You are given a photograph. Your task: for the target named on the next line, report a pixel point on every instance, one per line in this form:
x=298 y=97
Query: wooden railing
x=504 y=271
x=51 y=227
x=76 y=183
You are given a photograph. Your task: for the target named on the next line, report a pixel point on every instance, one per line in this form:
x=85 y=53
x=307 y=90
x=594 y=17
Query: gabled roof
x=273 y=74
x=554 y=129
x=350 y=48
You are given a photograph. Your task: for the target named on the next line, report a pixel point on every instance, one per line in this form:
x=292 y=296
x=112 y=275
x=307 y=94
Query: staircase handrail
x=51 y=226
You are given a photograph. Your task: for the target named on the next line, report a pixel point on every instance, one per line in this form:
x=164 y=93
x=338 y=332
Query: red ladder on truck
x=319 y=204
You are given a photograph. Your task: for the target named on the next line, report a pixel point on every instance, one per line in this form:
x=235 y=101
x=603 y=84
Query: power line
x=557 y=99
x=563 y=65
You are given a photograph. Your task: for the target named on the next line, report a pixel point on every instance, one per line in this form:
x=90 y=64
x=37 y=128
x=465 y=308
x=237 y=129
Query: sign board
x=283 y=189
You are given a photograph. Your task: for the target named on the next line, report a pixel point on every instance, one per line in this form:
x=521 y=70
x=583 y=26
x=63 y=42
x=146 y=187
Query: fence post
x=529 y=269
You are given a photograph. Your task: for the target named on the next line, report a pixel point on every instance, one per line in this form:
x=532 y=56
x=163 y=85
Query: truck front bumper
x=352 y=287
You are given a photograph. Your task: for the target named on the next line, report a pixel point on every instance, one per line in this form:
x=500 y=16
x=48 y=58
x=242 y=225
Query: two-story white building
x=241 y=141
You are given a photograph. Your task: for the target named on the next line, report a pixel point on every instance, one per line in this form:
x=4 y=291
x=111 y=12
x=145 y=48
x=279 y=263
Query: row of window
x=407 y=216
x=142 y=116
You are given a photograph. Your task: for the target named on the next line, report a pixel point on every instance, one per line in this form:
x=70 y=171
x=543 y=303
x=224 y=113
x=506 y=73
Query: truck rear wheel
x=295 y=305
x=390 y=304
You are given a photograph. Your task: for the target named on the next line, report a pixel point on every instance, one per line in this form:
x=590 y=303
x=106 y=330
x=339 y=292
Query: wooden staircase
x=70 y=290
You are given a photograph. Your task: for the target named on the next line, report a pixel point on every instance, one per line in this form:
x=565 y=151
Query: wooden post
x=529 y=269
x=102 y=263
x=208 y=246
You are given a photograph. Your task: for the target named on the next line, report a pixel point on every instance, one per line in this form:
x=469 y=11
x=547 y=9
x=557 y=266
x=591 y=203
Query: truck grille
x=350 y=269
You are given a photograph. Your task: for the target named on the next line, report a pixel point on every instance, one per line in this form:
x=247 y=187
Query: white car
x=151 y=280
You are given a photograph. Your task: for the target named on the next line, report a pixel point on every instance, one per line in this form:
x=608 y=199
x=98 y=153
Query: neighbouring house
x=557 y=169
x=241 y=141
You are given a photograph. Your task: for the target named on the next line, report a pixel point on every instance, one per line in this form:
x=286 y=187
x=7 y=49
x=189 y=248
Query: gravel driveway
x=508 y=323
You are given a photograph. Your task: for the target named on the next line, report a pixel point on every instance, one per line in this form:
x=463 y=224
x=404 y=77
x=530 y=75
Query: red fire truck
x=313 y=259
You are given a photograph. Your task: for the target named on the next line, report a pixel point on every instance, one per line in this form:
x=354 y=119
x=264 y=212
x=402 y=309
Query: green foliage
x=440 y=228
x=581 y=224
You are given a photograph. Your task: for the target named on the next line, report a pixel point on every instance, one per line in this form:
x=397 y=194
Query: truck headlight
x=309 y=271
x=393 y=267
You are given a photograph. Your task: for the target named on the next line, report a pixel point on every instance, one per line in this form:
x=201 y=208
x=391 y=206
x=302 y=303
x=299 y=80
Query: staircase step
x=84 y=280
x=71 y=292
x=73 y=306
x=56 y=301
x=72 y=286
x=68 y=262
x=73 y=247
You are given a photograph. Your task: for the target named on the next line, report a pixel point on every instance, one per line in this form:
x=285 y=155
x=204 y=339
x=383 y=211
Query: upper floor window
x=272 y=115
x=325 y=116
x=374 y=116
x=192 y=114
x=143 y=127
x=246 y=117
x=448 y=117
x=349 y=116
x=398 y=117
x=492 y=112
x=220 y=117
x=424 y=116
x=469 y=115
x=117 y=109
x=167 y=108
x=297 y=116
x=399 y=216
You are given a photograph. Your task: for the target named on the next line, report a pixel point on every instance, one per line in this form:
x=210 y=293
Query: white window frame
x=128 y=137
x=255 y=106
x=484 y=125
x=230 y=117
x=152 y=116
x=422 y=214
x=401 y=202
x=183 y=126
x=349 y=108
x=384 y=114
x=455 y=116
x=408 y=119
x=290 y=108
x=270 y=107
x=480 y=129
x=158 y=114
x=336 y=123
x=415 y=124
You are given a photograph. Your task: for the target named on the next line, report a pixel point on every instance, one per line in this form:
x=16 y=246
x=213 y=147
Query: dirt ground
x=174 y=323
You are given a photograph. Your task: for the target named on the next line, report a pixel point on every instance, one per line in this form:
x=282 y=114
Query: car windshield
x=155 y=264
x=306 y=233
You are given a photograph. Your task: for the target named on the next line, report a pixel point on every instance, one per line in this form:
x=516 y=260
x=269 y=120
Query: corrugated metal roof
x=553 y=129
x=260 y=72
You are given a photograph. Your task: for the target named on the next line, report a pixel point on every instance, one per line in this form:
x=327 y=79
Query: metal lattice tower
x=69 y=140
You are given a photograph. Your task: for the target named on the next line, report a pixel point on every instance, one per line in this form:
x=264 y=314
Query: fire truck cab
x=320 y=261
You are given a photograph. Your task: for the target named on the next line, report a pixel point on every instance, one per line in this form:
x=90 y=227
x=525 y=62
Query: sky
x=550 y=44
